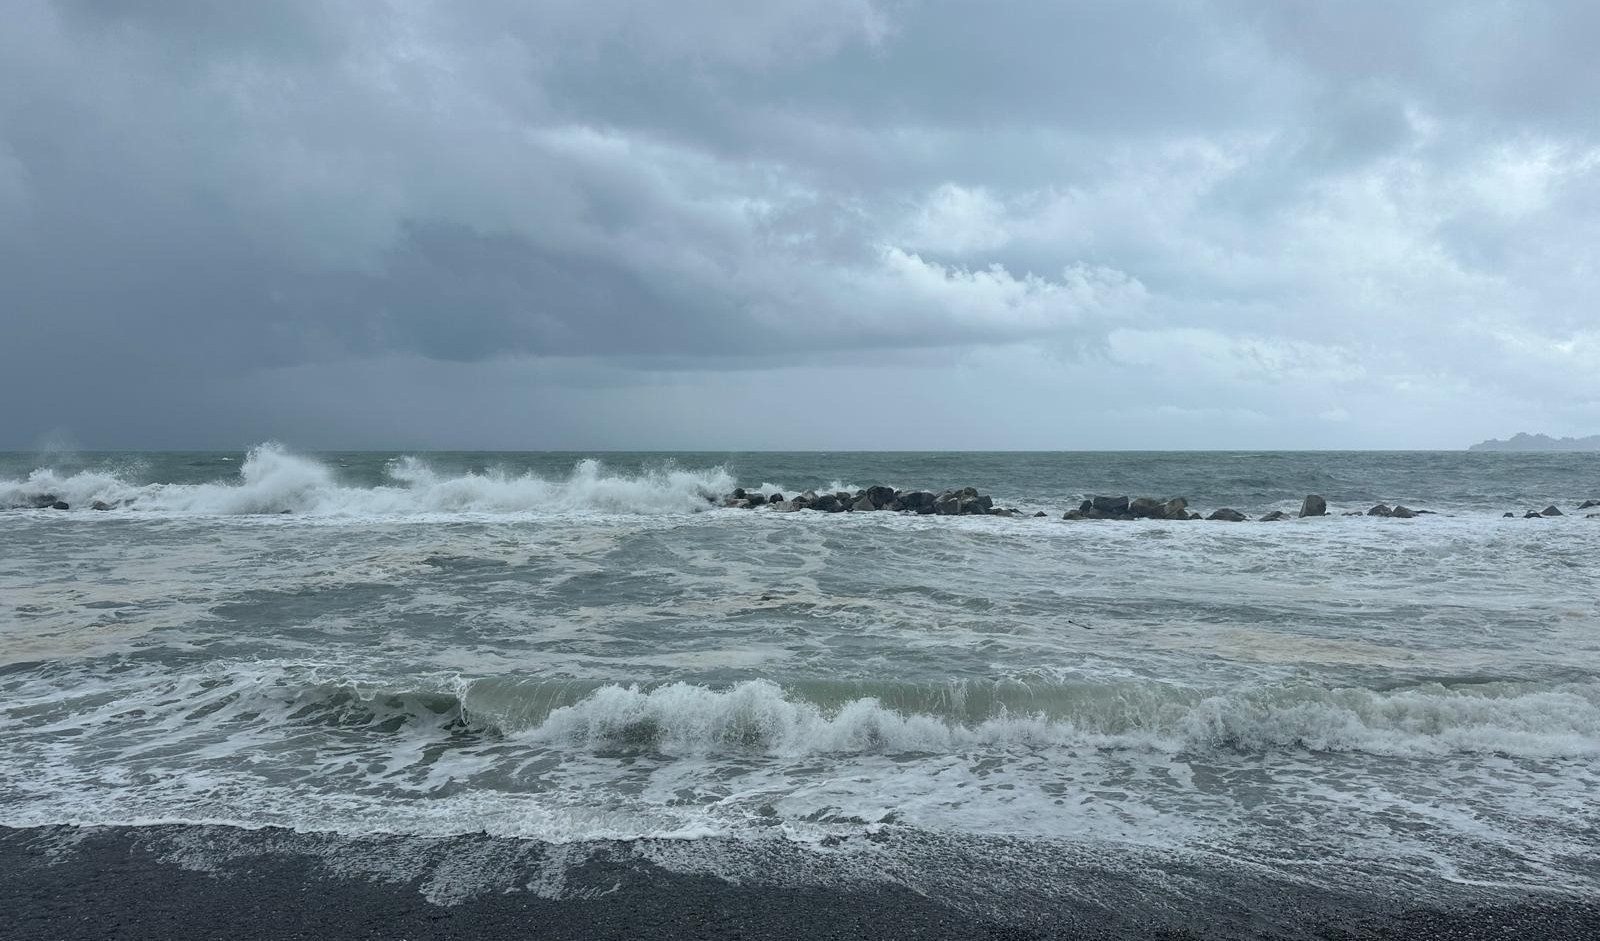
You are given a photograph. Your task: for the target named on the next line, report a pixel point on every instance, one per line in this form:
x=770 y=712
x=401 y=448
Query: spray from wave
x=273 y=480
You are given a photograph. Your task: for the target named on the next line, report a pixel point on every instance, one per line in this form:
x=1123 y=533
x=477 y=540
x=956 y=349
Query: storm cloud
x=798 y=224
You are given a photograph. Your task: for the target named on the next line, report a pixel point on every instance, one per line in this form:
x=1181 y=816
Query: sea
x=578 y=648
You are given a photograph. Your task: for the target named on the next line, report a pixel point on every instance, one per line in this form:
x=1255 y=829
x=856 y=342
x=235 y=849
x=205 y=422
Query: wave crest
x=274 y=480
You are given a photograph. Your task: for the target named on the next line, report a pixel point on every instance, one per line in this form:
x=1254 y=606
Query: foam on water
x=274 y=480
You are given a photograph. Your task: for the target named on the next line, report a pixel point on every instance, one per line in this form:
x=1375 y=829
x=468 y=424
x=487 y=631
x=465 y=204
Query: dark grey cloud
x=1184 y=223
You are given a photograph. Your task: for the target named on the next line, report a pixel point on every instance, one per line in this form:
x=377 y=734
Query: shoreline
x=181 y=882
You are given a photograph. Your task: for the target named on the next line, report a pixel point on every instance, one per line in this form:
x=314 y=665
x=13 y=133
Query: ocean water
x=573 y=648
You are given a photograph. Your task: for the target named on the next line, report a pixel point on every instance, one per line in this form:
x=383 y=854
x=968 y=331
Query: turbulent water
x=572 y=649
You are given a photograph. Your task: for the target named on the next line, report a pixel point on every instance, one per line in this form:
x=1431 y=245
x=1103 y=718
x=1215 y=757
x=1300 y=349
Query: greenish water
x=577 y=647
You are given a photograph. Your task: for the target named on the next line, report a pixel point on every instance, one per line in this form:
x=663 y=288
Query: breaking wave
x=760 y=717
x=274 y=480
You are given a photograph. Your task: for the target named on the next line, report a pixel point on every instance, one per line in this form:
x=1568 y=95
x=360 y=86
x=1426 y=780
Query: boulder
x=784 y=506
x=1175 y=509
x=917 y=501
x=880 y=496
x=1551 y=510
x=863 y=505
x=1588 y=503
x=60 y=505
x=974 y=504
x=1382 y=509
x=947 y=505
x=1195 y=516
x=100 y=505
x=1508 y=515
x=1145 y=508
x=1039 y=514
x=43 y=501
x=1073 y=515
x=739 y=494
x=775 y=498
x=825 y=503
x=845 y=496
x=1274 y=516
x=1228 y=516
x=1314 y=506
x=736 y=503
x=1111 y=506
x=1403 y=513
x=1085 y=506
x=757 y=499
x=1532 y=515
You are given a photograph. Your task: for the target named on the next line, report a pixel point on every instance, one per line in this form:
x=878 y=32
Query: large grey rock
x=1588 y=503
x=863 y=505
x=775 y=498
x=1382 y=509
x=1114 y=506
x=1175 y=509
x=948 y=504
x=756 y=499
x=1403 y=512
x=1274 y=516
x=1228 y=516
x=1532 y=515
x=1314 y=506
x=917 y=501
x=60 y=505
x=1085 y=506
x=1073 y=515
x=739 y=494
x=825 y=503
x=43 y=501
x=1145 y=508
x=1551 y=510
x=1039 y=514
x=880 y=496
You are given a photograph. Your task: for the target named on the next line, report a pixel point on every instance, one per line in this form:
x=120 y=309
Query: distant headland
x=1522 y=441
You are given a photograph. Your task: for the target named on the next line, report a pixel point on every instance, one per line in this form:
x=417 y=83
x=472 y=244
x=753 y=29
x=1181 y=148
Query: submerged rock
x=1227 y=515
x=1532 y=515
x=1314 y=506
x=1588 y=503
x=863 y=505
x=1508 y=515
x=1403 y=513
x=60 y=505
x=1551 y=510
x=1381 y=509
x=100 y=505
x=1274 y=516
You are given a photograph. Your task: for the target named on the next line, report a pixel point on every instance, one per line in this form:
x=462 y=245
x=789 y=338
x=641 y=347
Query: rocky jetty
x=964 y=502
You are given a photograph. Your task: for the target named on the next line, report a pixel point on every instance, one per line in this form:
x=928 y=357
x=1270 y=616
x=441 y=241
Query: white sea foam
x=273 y=480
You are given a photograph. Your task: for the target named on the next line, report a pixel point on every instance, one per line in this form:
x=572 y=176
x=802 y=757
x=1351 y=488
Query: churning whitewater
x=571 y=648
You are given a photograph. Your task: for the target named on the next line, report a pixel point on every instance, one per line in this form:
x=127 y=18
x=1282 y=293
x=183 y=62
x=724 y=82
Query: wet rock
x=1403 y=513
x=1532 y=515
x=974 y=504
x=916 y=501
x=775 y=498
x=43 y=501
x=1508 y=515
x=825 y=503
x=60 y=505
x=1175 y=509
x=1195 y=516
x=1145 y=508
x=1039 y=514
x=863 y=505
x=100 y=505
x=1588 y=503
x=739 y=494
x=1228 y=516
x=1382 y=509
x=1313 y=506
x=947 y=505
x=881 y=497
x=1085 y=506
x=1073 y=515
x=1111 y=506
x=1551 y=510
x=757 y=499
x=1274 y=516
x=736 y=503
x=785 y=506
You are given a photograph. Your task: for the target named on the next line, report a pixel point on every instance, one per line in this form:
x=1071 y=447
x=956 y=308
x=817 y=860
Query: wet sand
x=182 y=883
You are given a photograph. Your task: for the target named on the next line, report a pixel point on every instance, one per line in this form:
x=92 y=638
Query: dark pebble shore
x=64 y=884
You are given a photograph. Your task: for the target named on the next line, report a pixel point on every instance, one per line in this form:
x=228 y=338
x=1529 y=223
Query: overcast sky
x=798 y=223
